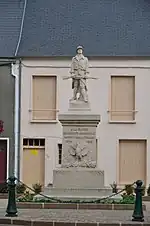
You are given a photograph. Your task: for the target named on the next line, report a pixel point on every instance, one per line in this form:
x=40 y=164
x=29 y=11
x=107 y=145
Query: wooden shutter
x=122 y=98
x=132 y=161
x=44 y=97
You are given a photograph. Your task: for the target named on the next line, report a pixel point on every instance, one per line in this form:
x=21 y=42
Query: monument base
x=78 y=178
x=77 y=184
x=67 y=194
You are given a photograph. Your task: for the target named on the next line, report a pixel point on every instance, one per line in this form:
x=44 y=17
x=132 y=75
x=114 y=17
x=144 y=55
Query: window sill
x=44 y=121
x=122 y=122
x=33 y=147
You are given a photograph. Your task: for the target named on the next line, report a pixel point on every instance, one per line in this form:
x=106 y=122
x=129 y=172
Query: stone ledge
x=28 y=205
x=31 y=222
x=146 y=198
x=5 y=195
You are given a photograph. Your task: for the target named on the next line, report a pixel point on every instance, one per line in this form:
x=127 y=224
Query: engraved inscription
x=79 y=133
x=79 y=147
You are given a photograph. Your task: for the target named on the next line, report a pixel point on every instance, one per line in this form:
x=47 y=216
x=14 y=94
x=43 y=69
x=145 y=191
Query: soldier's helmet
x=79 y=47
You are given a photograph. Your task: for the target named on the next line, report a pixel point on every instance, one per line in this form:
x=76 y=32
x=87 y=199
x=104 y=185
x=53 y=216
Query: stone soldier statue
x=79 y=70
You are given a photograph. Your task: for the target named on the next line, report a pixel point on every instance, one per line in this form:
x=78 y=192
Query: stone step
x=75 y=194
x=81 y=198
x=68 y=198
x=78 y=191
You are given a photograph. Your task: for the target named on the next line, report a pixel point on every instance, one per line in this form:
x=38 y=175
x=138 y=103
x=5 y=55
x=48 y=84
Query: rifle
x=78 y=77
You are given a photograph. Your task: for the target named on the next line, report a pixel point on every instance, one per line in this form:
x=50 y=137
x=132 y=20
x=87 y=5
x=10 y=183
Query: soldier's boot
x=84 y=95
x=74 y=94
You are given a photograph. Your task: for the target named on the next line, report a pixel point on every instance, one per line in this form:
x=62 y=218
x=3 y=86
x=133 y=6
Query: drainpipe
x=19 y=119
x=15 y=73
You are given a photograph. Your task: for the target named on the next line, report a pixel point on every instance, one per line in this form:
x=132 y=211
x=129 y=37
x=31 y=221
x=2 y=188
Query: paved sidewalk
x=107 y=216
x=61 y=215
x=3 y=203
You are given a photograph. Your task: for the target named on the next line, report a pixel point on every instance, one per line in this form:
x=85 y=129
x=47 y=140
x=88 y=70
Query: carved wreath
x=78 y=151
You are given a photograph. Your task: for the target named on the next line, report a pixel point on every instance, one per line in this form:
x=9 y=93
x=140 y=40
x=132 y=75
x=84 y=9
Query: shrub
x=129 y=189
x=148 y=190
x=37 y=188
x=128 y=199
x=27 y=197
x=114 y=187
x=20 y=188
x=143 y=190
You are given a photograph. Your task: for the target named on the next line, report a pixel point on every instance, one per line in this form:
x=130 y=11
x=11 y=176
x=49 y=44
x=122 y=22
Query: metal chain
x=62 y=201
x=45 y=196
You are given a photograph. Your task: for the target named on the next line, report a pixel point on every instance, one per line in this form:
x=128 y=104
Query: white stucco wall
x=107 y=134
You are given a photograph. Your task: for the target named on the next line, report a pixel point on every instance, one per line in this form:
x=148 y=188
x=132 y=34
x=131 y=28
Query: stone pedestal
x=79 y=161
x=79 y=139
x=79 y=106
x=78 y=178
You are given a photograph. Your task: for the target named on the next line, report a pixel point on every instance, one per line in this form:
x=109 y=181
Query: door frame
x=7 y=162
x=117 y=157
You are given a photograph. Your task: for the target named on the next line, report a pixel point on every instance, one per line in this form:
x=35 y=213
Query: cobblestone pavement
x=110 y=216
x=77 y=215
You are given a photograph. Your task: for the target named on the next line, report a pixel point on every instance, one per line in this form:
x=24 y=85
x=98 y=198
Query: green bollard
x=138 y=209
x=11 y=210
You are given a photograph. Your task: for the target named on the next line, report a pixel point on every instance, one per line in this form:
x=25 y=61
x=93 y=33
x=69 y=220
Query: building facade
x=120 y=96
x=7 y=112
x=43 y=37
x=10 y=24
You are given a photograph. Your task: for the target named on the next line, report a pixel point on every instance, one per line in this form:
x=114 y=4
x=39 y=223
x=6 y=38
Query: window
x=37 y=142
x=34 y=142
x=25 y=142
x=122 y=99
x=42 y=142
x=31 y=142
x=59 y=154
x=44 y=98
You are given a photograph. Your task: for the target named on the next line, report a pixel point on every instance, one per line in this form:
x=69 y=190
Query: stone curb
x=31 y=222
x=146 y=198
x=5 y=195
x=75 y=206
